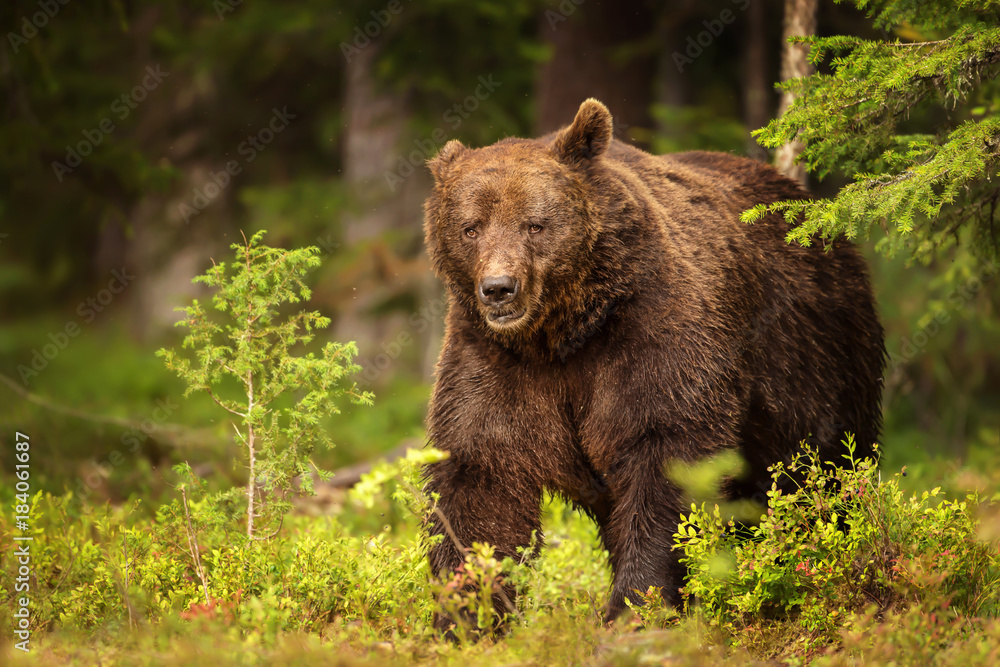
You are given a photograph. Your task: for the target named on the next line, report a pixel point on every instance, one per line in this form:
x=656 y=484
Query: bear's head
x=510 y=228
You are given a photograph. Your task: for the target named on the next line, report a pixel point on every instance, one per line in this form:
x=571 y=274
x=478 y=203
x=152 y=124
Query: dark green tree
x=912 y=120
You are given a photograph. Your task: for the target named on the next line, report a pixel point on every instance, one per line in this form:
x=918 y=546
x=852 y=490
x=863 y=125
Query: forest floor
x=914 y=579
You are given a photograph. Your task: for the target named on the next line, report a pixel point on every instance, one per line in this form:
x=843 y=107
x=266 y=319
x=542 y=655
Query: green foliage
x=469 y=593
x=928 y=188
x=170 y=582
x=571 y=572
x=429 y=71
x=918 y=636
x=407 y=471
x=320 y=592
x=943 y=16
x=105 y=566
x=697 y=128
x=841 y=541
x=654 y=611
x=254 y=346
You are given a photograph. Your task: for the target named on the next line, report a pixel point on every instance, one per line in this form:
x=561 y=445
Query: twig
x=62 y=578
x=281 y=522
x=193 y=547
x=131 y=620
x=252 y=455
x=277 y=530
x=458 y=545
x=223 y=405
x=122 y=586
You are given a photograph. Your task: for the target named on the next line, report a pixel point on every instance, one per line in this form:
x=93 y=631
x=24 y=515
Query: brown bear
x=609 y=312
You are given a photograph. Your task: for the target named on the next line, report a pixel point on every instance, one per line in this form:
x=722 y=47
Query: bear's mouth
x=506 y=318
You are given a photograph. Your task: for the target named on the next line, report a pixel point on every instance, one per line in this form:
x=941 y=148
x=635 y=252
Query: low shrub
x=841 y=543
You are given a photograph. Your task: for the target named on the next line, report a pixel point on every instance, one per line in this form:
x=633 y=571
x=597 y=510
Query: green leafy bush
x=841 y=542
x=107 y=568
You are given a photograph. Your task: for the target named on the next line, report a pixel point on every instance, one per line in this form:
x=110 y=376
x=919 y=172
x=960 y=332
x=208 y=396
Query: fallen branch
x=173 y=435
x=348 y=476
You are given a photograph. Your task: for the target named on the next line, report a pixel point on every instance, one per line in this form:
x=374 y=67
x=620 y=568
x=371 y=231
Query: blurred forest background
x=139 y=140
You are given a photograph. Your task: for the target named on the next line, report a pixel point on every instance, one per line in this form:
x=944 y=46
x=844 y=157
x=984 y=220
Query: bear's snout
x=497 y=291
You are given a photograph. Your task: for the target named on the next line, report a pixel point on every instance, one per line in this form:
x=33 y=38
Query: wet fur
x=658 y=327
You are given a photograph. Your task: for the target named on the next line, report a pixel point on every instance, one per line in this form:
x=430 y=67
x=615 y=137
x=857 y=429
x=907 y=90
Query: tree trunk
x=595 y=54
x=673 y=86
x=757 y=107
x=375 y=136
x=800 y=20
x=373 y=133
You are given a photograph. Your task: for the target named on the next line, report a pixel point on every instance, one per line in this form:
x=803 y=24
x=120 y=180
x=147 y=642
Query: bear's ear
x=588 y=137
x=439 y=163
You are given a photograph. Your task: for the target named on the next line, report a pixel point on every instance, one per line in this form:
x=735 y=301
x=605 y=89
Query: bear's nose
x=497 y=290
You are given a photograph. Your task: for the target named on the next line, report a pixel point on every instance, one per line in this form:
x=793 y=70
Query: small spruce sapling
x=252 y=344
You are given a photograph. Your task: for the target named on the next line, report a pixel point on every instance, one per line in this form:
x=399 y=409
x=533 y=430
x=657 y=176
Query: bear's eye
x=534 y=229
x=471 y=232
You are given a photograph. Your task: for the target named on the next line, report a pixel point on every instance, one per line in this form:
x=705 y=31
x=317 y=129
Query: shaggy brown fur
x=608 y=313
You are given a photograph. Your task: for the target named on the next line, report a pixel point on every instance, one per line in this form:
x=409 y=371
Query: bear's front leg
x=497 y=505
x=639 y=534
